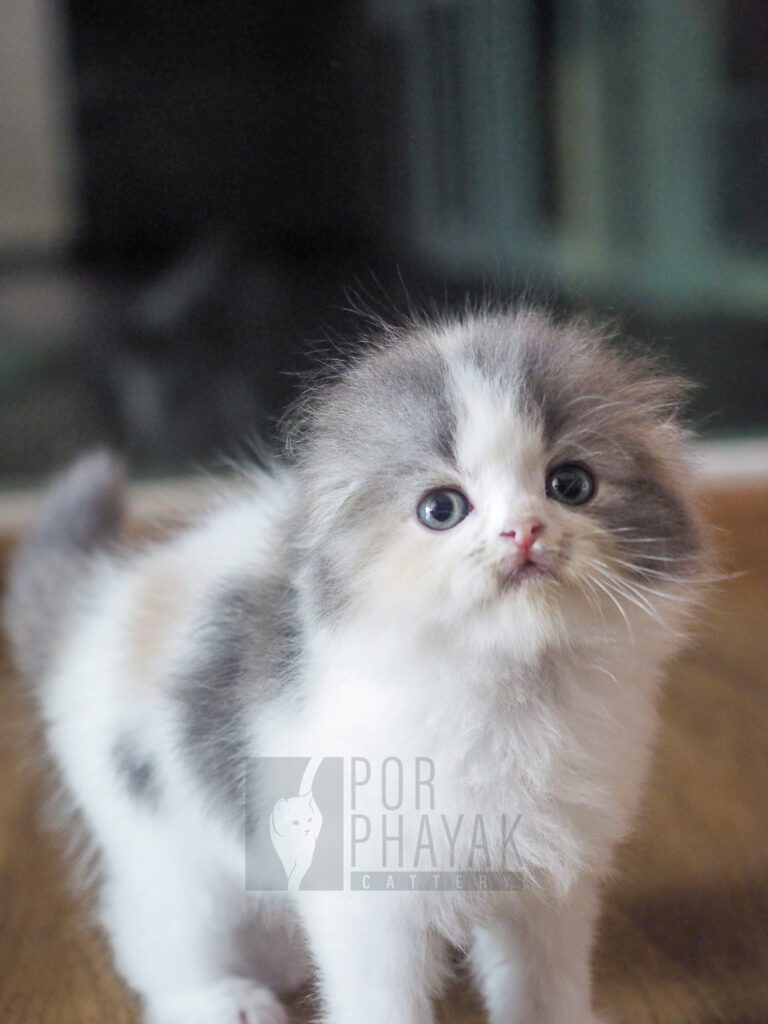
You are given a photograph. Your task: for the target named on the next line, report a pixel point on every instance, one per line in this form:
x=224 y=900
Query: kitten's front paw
x=229 y=1001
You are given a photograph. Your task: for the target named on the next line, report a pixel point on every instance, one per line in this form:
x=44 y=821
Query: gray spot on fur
x=50 y=572
x=543 y=393
x=657 y=533
x=136 y=770
x=328 y=590
x=245 y=654
x=383 y=427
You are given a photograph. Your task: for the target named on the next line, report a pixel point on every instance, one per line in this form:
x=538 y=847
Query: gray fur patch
x=329 y=593
x=384 y=427
x=392 y=405
x=137 y=771
x=411 y=388
x=543 y=392
x=245 y=655
x=658 y=536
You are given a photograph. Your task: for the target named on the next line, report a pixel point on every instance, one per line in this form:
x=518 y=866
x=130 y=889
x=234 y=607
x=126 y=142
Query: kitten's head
x=296 y=817
x=501 y=469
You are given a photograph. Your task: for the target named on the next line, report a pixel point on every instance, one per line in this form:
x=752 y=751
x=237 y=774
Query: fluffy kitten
x=476 y=551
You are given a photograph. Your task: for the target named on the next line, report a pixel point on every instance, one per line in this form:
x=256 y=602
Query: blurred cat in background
x=478 y=544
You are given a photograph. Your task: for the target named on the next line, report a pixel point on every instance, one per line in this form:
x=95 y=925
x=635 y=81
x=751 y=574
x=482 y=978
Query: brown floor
x=685 y=933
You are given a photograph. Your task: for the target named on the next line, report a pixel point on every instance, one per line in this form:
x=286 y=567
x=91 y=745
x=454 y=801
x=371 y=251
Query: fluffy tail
x=81 y=517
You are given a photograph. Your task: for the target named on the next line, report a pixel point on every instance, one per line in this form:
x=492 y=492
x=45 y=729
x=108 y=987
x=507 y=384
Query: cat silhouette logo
x=294 y=826
x=294 y=823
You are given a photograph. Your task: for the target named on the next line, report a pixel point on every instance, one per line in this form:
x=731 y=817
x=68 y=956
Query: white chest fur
x=553 y=751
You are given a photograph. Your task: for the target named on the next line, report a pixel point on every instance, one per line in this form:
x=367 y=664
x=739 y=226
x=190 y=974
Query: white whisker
x=601 y=668
x=651 y=572
x=618 y=606
x=677 y=598
x=625 y=590
x=667 y=577
x=663 y=558
x=594 y=598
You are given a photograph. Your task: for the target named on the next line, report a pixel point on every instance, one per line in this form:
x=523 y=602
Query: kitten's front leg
x=535 y=968
x=171 y=932
x=376 y=961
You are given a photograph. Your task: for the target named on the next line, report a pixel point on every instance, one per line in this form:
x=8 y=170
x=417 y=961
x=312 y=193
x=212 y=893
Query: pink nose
x=525 y=532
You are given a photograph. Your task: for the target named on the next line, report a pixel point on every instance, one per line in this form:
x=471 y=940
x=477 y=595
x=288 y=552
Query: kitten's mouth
x=513 y=573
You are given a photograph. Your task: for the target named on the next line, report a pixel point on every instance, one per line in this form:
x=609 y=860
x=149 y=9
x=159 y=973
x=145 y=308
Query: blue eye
x=570 y=484
x=443 y=509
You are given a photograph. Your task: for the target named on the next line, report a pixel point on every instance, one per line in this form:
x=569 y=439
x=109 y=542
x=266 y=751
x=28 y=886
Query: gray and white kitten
x=476 y=552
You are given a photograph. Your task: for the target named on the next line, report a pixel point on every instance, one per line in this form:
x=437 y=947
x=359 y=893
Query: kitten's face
x=297 y=817
x=503 y=467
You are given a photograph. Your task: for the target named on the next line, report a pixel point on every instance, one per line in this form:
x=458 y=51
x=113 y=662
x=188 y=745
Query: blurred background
x=194 y=197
